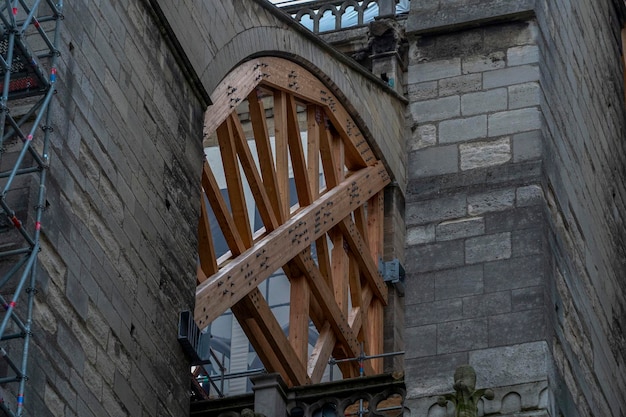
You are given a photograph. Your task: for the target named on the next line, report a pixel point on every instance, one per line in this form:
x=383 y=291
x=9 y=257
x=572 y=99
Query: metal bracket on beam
x=393 y=272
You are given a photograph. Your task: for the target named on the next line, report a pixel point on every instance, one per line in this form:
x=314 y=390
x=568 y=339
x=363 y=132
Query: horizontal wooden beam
x=235 y=280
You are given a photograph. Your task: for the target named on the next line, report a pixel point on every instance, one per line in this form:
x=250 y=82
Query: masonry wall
x=476 y=254
x=119 y=235
x=581 y=77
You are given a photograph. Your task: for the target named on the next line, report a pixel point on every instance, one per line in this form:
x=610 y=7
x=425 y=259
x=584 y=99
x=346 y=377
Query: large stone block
x=434 y=312
x=514 y=121
x=435 y=256
x=484 y=101
x=439 y=209
x=514 y=273
x=434 y=70
x=457 y=282
x=490 y=201
x=462 y=335
x=461 y=228
x=484 y=154
x=503 y=366
x=509 y=76
x=488 y=248
x=436 y=109
x=433 y=161
x=460 y=130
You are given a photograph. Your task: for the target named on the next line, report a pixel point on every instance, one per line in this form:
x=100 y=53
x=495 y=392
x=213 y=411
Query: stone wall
x=119 y=235
x=476 y=230
x=582 y=80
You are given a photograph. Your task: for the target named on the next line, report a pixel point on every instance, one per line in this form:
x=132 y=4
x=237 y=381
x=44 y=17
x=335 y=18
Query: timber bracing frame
x=30 y=31
x=328 y=243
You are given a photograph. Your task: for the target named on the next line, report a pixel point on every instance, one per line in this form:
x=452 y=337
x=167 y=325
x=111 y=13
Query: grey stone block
x=432 y=375
x=521 y=55
x=459 y=130
x=423 y=91
x=423 y=136
x=491 y=201
x=420 y=288
x=517 y=327
x=461 y=84
x=422 y=340
x=485 y=154
x=77 y=295
x=514 y=273
x=528 y=241
x=461 y=228
x=70 y=347
x=462 y=335
x=482 y=63
x=488 y=248
x=419 y=235
x=457 y=282
x=528 y=298
x=509 y=76
x=514 y=121
x=487 y=304
x=501 y=366
x=434 y=256
x=434 y=70
x=529 y=195
x=433 y=161
x=527 y=146
x=484 y=101
x=436 y=109
x=434 y=312
x=428 y=211
x=515 y=219
x=524 y=95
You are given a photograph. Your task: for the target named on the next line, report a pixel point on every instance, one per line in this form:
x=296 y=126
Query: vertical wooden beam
x=375 y=222
x=264 y=152
x=374 y=332
x=328 y=158
x=281 y=134
x=339 y=270
x=299 y=317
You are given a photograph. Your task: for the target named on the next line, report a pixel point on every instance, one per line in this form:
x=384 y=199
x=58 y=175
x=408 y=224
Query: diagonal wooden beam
x=235 y=280
x=264 y=152
x=323 y=295
x=321 y=353
x=221 y=211
x=361 y=251
x=258 y=310
x=261 y=197
x=206 y=249
x=298 y=159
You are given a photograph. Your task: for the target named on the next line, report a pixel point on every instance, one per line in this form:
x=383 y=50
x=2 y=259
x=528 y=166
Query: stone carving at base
x=466 y=397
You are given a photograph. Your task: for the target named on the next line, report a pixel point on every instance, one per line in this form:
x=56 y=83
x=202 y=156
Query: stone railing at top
x=326 y=15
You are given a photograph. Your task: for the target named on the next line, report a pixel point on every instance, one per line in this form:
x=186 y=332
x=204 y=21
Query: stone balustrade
x=327 y=15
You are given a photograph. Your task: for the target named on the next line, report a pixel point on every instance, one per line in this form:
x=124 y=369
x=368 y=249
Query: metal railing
x=327 y=15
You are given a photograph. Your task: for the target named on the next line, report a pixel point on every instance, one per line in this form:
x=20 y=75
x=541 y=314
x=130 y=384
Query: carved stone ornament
x=466 y=397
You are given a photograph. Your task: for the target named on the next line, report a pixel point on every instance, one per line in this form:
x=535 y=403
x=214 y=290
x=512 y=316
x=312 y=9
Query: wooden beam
x=299 y=301
x=374 y=333
x=221 y=211
x=375 y=222
x=333 y=313
x=234 y=183
x=261 y=198
x=365 y=261
x=313 y=148
x=281 y=134
x=329 y=163
x=339 y=269
x=321 y=354
x=234 y=280
x=258 y=310
x=298 y=159
x=264 y=152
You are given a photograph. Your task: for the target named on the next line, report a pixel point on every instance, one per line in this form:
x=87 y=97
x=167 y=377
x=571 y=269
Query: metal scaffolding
x=28 y=54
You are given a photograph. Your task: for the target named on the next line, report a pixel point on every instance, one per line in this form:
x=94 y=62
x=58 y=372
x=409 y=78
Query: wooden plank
x=260 y=312
x=366 y=263
x=339 y=271
x=323 y=259
x=281 y=133
x=329 y=163
x=261 y=198
x=375 y=223
x=206 y=249
x=333 y=313
x=221 y=212
x=259 y=340
x=234 y=183
x=374 y=333
x=233 y=281
x=321 y=354
x=290 y=77
x=264 y=153
x=299 y=317
x=361 y=224
x=355 y=282
x=313 y=148
x=296 y=151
